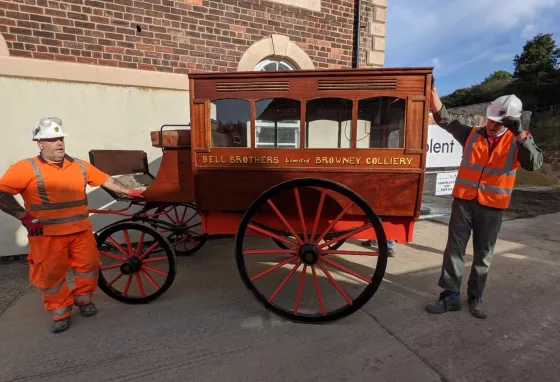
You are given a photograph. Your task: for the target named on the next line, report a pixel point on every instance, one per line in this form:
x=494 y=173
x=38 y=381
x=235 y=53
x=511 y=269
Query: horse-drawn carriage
x=295 y=165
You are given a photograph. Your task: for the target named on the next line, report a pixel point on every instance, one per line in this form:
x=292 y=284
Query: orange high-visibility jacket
x=489 y=178
x=56 y=195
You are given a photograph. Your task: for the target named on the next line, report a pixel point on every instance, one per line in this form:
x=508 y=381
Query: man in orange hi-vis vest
x=53 y=187
x=482 y=191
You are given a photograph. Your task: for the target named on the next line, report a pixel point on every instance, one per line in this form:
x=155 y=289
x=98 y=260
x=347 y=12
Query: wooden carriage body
x=365 y=129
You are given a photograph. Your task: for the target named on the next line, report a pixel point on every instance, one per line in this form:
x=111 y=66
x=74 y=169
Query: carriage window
x=277 y=123
x=381 y=122
x=328 y=123
x=231 y=123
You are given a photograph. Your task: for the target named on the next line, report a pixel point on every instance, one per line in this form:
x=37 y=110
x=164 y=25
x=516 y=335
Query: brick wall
x=175 y=36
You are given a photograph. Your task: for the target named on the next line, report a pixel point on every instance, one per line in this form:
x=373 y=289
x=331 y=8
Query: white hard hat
x=504 y=106
x=48 y=128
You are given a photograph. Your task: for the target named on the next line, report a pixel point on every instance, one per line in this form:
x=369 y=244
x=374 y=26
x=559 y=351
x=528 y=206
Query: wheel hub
x=309 y=254
x=131 y=265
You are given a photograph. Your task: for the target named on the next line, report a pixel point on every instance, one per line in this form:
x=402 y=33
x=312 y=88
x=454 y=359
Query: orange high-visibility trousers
x=49 y=259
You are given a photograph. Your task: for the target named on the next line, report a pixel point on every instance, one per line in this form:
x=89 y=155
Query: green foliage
x=538 y=60
x=536 y=78
x=498 y=75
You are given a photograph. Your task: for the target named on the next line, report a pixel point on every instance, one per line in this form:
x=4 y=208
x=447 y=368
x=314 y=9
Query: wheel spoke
x=184 y=213
x=300 y=213
x=140 y=285
x=319 y=297
x=128 y=243
x=340 y=215
x=283 y=219
x=351 y=253
x=346 y=235
x=154 y=259
x=155 y=270
x=112 y=256
x=267 y=232
x=149 y=250
x=300 y=289
x=333 y=282
x=288 y=276
x=125 y=292
x=106 y=267
x=140 y=245
x=118 y=246
x=116 y=278
x=274 y=267
x=170 y=218
x=176 y=214
x=318 y=215
x=150 y=279
x=269 y=251
x=343 y=268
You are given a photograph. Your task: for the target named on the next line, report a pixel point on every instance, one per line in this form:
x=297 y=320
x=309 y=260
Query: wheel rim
x=307 y=281
x=136 y=263
x=182 y=227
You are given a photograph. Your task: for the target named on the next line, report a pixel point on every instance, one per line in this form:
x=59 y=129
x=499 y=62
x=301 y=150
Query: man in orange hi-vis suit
x=53 y=187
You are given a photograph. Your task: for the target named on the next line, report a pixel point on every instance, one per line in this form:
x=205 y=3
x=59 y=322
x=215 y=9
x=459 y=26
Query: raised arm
x=459 y=131
x=529 y=154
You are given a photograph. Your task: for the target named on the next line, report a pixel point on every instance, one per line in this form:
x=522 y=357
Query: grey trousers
x=485 y=223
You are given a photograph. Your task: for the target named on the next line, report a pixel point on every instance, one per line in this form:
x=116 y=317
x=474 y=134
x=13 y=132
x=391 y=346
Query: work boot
x=476 y=307
x=447 y=302
x=61 y=325
x=88 y=310
x=390 y=252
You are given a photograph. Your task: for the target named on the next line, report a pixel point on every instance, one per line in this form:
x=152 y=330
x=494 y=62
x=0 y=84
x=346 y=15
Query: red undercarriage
x=400 y=229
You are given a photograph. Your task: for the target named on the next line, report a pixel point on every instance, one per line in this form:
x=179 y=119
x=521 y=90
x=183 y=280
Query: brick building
x=195 y=35
x=114 y=70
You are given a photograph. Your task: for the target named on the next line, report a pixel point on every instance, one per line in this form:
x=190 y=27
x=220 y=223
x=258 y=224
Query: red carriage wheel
x=183 y=227
x=137 y=264
x=307 y=281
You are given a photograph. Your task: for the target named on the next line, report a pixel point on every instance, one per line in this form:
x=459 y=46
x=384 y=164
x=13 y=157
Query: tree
x=498 y=75
x=540 y=59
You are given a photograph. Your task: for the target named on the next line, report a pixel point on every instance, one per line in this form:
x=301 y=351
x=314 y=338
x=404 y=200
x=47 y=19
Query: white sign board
x=443 y=149
x=445 y=181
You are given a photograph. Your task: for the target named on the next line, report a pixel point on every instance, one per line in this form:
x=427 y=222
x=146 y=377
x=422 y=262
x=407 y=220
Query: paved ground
x=208 y=328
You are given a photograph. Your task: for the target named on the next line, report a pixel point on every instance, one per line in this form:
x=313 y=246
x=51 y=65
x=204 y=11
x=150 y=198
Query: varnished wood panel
x=171 y=138
x=414 y=124
x=200 y=128
x=388 y=194
x=174 y=180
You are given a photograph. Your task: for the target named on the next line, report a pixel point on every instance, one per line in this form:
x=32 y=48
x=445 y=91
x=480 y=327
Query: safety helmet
x=504 y=106
x=48 y=128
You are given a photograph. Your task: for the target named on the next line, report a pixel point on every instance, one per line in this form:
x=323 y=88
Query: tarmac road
x=207 y=327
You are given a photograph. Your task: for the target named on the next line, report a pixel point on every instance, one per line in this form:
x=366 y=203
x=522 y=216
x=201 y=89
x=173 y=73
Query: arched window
x=270 y=65
x=277 y=121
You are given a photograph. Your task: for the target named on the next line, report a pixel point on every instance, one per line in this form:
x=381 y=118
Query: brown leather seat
x=171 y=138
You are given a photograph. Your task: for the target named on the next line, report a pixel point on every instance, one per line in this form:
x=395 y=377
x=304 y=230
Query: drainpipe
x=357 y=30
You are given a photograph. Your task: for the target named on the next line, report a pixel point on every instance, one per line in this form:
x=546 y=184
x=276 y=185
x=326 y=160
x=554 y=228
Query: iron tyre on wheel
x=135 y=265
x=313 y=254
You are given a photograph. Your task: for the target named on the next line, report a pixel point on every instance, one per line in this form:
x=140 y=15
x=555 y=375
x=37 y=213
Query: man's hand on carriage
x=136 y=193
x=119 y=188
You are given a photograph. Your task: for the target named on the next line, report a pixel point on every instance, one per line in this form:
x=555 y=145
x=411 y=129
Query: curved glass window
x=381 y=123
x=277 y=123
x=231 y=123
x=270 y=65
x=328 y=123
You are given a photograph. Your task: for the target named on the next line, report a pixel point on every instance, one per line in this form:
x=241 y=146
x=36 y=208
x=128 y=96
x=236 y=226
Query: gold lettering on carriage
x=396 y=161
x=338 y=160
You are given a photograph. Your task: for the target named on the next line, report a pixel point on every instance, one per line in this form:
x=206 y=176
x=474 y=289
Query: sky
x=465 y=41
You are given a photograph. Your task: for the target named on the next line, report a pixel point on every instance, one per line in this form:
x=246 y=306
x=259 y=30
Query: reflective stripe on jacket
x=488 y=177
x=60 y=201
